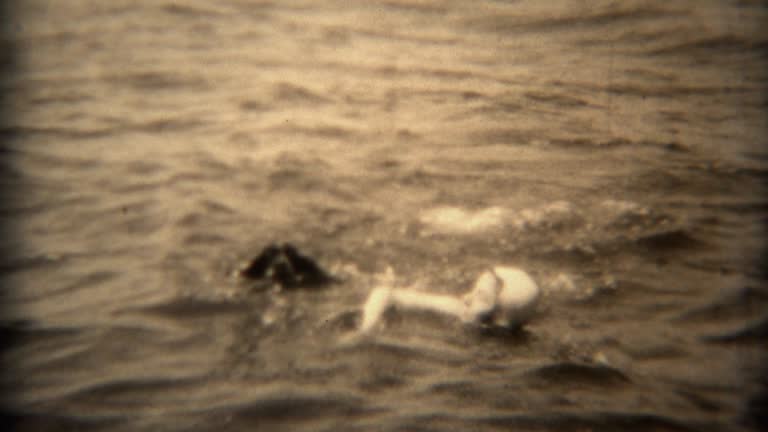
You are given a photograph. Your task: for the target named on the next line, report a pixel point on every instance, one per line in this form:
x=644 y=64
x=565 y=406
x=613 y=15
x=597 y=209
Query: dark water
x=153 y=147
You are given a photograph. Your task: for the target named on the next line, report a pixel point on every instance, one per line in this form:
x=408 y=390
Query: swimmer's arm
x=414 y=299
x=382 y=298
x=378 y=301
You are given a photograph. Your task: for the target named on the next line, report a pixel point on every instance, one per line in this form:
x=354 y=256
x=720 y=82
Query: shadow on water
x=517 y=336
x=755 y=412
x=9 y=333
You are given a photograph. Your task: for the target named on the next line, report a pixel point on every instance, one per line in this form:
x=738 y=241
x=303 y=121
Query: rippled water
x=154 y=147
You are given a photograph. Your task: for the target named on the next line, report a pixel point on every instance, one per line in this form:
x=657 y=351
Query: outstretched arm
x=421 y=300
x=381 y=298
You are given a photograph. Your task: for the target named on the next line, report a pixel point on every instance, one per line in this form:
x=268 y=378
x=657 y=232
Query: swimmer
x=503 y=297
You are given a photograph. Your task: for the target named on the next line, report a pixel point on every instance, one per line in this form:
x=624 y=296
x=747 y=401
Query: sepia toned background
x=150 y=148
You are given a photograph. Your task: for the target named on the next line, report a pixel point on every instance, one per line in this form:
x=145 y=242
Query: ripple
x=753 y=333
x=382 y=380
x=190 y=11
x=671 y=146
x=206 y=239
x=55 y=132
x=31 y=262
x=742 y=303
x=23 y=332
x=397 y=352
x=294 y=408
x=286 y=92
x=673 y=239
x=91 y=279
x=159 y=81
x=319 y=131
x=144 y=168
x=711 y=45
x=556 y=99
x=49 y=161
x=507 y=136
x=130 y=392
x=139 y=224
x=507 y=23
x=190 y=307
x=39 y=421
x=178 y=124
x=463 y=390
x=602 y=421
x=568 y=373
x=672 y=91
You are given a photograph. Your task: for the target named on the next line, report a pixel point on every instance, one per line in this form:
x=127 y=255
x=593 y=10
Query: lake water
x=150 y=148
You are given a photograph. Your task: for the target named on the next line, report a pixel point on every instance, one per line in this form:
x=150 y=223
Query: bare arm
x=378 y=301
x=413 y=299
x=381 y=298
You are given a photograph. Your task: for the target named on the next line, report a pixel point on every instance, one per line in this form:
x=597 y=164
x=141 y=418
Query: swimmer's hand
x=378 y=301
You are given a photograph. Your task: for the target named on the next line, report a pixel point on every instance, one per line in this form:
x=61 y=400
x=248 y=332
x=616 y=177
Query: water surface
x=154 y=147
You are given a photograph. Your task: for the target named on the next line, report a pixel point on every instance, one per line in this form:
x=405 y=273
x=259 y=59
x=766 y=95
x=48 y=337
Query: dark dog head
x=286 y=266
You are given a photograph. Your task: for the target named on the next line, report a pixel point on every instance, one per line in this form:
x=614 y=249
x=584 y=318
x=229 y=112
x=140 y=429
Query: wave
x=164 y=124
x=86 y=281
x=602 y=421
x=28 y=421
x=617 y=142
x=285 y=94
x=192 y=307
x=316 y=131
x=739 y=304
x=30 y=262
x=673 y=239
x=399 y=352
x=131 y=392
x=558 y=100
x=23 y=332
x=753 y=333
x=601 y=226
x=187 y=11
x=159 y=81
x=568 y=373
x=713 y=46
x=411 y=6
x=675 y=91
x=293 y=409
x=507 y=23
x=610 y=421
x=19 y=132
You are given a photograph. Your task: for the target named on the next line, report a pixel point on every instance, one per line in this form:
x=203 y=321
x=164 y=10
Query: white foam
x=553 y=214
x=457 y=220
